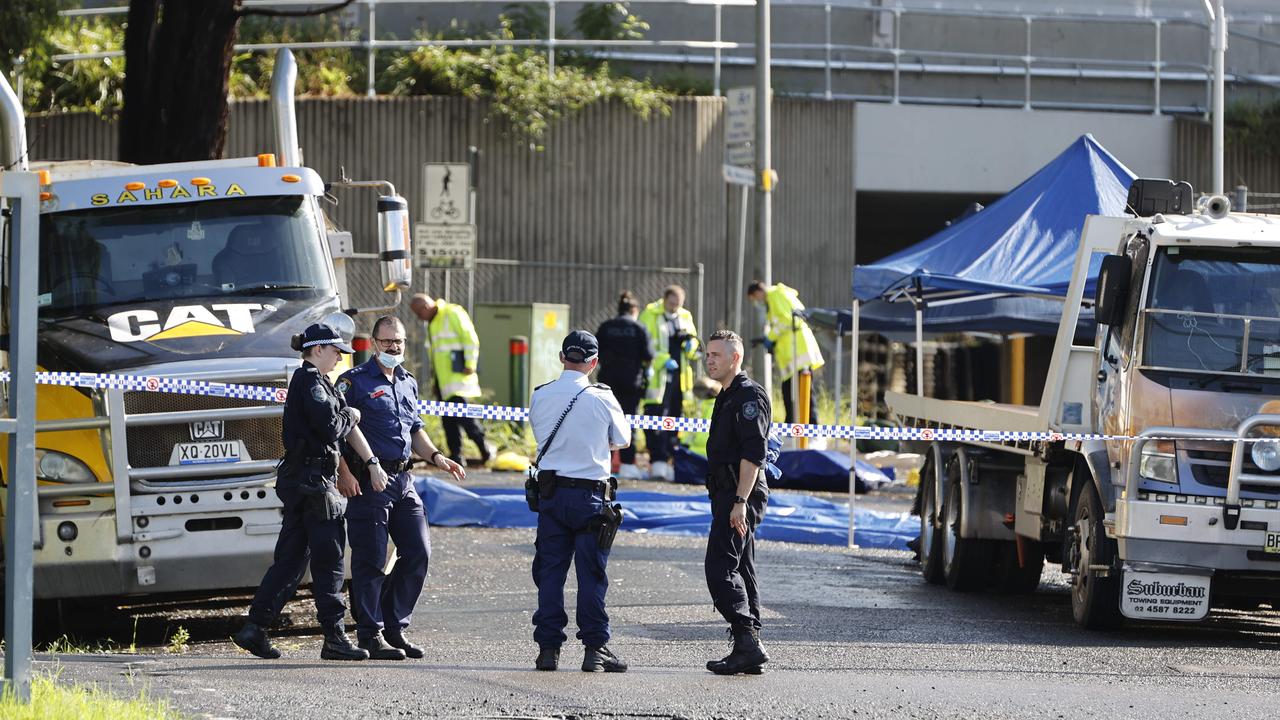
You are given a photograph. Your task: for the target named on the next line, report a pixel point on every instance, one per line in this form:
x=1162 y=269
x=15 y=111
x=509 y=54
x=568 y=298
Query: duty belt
x=395 y=467
x=606 y=488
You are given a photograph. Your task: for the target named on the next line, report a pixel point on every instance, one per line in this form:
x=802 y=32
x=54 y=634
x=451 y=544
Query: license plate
x=1273 y=543
x=1164 y=596
x=199 y=453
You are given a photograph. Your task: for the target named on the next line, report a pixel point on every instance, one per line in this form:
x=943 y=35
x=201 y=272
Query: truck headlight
x=1266 y=455
x=60 y=467
x=1158 y=466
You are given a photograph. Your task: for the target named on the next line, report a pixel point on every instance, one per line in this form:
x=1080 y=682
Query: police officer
x=624 y=362
x=575 y=483
x=736 y=450
x=316 y=418
x=387 y=397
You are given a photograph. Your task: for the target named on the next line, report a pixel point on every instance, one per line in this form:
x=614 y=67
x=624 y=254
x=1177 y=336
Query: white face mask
x=389 y=361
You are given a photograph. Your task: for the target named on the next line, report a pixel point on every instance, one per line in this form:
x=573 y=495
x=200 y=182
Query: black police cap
x=321 y=334
x=579 y=346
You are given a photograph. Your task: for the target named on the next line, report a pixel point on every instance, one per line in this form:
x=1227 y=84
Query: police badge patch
x=751 y=410
x=344 y=385
x=317 y=393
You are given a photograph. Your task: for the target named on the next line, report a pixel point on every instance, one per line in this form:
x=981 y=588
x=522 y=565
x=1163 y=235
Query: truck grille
x=261 y=436
x=1213 y=467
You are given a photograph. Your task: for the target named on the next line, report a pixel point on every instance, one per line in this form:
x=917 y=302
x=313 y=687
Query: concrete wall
x=907 y=148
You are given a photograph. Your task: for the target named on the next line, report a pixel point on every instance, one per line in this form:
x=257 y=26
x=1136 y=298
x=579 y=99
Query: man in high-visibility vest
x=455 y=351
x=789 y=338
x=674 y=340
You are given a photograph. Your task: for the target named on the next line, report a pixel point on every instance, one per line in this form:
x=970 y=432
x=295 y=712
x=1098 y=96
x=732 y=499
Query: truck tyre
x=1095 y=599
x=966 y=561
x=1012 y=578
x=930 y=525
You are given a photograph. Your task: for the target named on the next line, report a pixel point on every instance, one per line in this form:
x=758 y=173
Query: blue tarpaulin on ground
x=826 y=470
x=792 y=517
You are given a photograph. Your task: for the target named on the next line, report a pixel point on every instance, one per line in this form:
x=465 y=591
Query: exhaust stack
x=283 y=80
x=13 y=124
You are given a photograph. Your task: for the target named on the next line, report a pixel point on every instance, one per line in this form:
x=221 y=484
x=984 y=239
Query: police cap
x=321 y=334
x=579 y=346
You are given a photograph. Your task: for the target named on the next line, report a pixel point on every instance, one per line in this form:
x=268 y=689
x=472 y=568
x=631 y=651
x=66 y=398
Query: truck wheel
x=930 y=530
x=1095 y=599
x=1012 y=578
x=966 y=561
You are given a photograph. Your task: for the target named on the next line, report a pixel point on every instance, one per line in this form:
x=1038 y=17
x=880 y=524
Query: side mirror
x=393 y=243
x=1113 y=290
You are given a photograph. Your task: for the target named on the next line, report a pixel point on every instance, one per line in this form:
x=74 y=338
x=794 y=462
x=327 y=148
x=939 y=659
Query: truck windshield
x=1214 y=310
x=107 y=256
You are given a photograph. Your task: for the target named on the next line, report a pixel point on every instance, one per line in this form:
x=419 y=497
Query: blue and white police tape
x=182 y=386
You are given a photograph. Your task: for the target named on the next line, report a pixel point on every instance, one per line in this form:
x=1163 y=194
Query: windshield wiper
x=259 y=287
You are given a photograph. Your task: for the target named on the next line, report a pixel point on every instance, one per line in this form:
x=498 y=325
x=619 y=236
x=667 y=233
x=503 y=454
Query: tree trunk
x=177 y=64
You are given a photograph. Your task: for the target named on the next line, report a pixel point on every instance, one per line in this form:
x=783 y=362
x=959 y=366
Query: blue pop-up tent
x=1022 y=244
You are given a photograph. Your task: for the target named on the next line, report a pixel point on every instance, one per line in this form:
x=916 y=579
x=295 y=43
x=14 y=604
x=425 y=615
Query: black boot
x=255 y=640
x=396 y=639
x=337 y=646
x=548 y=657
x=602 y=659
x=379 y=650
x=747 y=656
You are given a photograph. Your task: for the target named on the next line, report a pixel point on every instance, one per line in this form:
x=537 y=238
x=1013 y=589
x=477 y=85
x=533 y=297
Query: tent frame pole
x=853 y=422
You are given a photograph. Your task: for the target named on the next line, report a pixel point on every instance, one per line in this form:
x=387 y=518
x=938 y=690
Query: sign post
x=446 y=237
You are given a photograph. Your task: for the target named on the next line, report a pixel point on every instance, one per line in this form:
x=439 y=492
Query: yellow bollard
x=802 y=412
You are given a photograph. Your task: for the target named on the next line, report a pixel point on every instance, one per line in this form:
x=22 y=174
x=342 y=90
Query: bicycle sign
x=446 y=195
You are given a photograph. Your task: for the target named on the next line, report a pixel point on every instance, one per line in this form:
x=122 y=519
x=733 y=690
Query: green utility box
x=542 y=325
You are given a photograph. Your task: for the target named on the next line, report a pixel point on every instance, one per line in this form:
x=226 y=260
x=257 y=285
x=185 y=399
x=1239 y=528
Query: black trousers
x=731 y=561
x=455 y=426
x=662 y=443
x=305 y=538
x=787 y=404
x=629 y=399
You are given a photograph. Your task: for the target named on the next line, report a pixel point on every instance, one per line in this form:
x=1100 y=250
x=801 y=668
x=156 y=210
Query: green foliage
x=49 y=700
x=609 y=21
x=178 y=641
x=86 y=85
x=23 y=25
x=322 y=72
x=1254 y=126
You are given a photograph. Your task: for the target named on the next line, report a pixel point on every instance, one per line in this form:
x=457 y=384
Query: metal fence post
x=826 y=9
x=715 y=72
x=1159 y=63
x=1026 y=66
x=551 y=39
x=897 y=54
x=701 y=270
x=369 y=49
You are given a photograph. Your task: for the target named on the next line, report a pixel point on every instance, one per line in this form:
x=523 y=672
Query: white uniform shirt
x=592 y=428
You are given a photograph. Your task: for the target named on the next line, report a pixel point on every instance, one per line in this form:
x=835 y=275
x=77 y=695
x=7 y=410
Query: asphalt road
x=852 y=634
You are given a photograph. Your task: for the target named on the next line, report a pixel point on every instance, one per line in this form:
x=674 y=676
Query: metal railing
x=892 y=60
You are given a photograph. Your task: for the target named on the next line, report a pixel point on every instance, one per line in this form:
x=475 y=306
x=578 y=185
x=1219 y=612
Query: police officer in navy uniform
x=625 y=355
x=736 y=451
x=316 y=418
x=387 y=397
x=576 y=466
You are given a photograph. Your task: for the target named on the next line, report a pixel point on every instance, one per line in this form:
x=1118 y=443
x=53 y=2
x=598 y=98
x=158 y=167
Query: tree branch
x=265 y=12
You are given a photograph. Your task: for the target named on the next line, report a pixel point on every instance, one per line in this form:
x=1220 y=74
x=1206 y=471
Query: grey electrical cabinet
x=542 y=325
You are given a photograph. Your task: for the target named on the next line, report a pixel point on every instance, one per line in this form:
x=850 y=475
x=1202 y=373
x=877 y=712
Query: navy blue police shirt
x=388 y=407
x=739 y=424
x=624 y=352
x=315 y=419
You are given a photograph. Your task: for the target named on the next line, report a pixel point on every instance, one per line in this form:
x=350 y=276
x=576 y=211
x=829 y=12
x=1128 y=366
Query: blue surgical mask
x=387 y=360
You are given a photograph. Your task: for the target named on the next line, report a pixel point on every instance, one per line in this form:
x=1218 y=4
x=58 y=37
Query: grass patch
x=51 y=701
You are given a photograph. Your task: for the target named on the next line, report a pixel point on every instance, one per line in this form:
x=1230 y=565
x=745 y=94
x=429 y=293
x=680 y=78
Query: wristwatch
x=739 y=499
x=432 y=459
x=373 y=460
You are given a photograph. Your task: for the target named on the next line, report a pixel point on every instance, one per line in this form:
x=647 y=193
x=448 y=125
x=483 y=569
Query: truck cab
x=167 y=297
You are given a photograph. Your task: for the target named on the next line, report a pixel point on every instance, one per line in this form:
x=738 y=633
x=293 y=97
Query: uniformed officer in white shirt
x=576 y=492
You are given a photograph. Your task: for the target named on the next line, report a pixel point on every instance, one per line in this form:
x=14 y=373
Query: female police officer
x=315 y=418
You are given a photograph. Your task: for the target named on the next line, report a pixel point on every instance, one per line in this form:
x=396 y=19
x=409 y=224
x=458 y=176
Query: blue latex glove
x=768 y=345
x=689 y=346
x=671 y=364
x=773 y=448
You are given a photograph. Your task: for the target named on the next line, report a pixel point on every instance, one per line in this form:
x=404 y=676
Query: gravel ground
x=851 y=633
